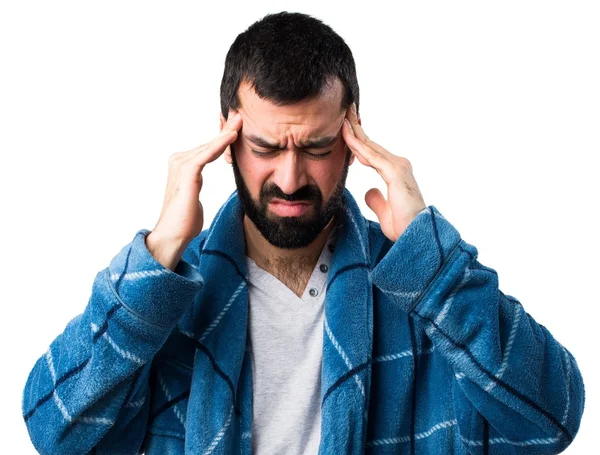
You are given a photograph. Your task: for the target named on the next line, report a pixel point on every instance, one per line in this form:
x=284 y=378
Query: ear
x=227 y=152
x=352 y=156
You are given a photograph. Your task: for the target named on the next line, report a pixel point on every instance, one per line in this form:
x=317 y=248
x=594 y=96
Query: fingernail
x=354 y=107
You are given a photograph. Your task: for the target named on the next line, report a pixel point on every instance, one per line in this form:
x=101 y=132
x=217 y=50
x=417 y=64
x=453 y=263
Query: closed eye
x=314 y=155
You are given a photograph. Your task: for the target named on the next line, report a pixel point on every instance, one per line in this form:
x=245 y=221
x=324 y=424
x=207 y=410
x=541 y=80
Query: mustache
x=306 y=193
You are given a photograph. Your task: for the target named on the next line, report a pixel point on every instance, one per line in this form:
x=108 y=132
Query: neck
x=270 y=257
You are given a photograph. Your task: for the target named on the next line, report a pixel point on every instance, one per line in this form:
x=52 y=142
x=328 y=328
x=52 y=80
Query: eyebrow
x=317 y=143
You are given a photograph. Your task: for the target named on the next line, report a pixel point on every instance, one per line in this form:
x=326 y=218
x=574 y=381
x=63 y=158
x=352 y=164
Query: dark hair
x=287 y=58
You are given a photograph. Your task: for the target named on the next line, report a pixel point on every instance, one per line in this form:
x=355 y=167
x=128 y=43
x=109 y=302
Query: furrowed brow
x=317 y=143
x=261 y=142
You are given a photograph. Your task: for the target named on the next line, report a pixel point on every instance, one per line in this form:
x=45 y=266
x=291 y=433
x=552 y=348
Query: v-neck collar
x=218 y=324
x=315 y=287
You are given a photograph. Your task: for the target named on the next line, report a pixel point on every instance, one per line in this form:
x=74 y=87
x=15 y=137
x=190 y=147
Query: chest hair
x=294 y=273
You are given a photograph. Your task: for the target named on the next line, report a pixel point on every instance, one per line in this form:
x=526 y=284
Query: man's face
x=290 y=153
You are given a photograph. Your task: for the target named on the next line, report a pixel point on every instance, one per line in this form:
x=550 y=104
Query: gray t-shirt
x=286 y=343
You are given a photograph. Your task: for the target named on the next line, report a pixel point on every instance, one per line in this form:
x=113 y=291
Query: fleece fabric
x=422 y=353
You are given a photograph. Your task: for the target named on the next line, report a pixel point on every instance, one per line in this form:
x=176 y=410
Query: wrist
x=168 y=251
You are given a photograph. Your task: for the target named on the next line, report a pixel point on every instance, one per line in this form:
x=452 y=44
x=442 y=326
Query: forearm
x=95 y=373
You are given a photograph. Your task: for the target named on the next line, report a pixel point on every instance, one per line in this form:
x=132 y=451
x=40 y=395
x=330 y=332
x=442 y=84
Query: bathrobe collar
x=221 y=396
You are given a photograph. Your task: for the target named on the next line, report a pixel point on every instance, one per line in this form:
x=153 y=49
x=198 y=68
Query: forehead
x=319 y=116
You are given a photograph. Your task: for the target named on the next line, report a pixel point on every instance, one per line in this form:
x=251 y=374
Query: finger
x=228 y=134
x=375 y=201
x=354 y=151
x=231 y=124
x=216 y=147
x=358 y=146
x=352 y=117
x=366 y=155
x=233 y=119
x=360 y=133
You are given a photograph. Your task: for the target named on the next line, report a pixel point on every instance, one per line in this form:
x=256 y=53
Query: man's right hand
x=182 y=216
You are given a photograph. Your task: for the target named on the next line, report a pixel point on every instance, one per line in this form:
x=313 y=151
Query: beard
x=290 y=232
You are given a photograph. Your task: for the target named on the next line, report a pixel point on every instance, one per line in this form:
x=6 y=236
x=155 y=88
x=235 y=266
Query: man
x=293 y=324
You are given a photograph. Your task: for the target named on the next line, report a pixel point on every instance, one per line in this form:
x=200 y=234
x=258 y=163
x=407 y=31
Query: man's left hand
x=404 y=197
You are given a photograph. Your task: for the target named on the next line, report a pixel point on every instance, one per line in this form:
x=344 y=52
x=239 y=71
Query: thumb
x=375 y=201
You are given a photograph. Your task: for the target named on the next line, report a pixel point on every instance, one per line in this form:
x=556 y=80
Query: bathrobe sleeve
x=507 y=368
x=90 y=389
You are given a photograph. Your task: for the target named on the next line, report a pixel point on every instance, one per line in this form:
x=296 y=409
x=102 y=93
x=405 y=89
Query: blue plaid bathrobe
x=422 y=353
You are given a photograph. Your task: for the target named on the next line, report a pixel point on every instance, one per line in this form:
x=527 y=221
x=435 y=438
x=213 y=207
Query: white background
x=496 y=105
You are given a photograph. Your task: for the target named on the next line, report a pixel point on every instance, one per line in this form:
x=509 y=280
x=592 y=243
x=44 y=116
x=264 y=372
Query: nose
x=290 y=172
